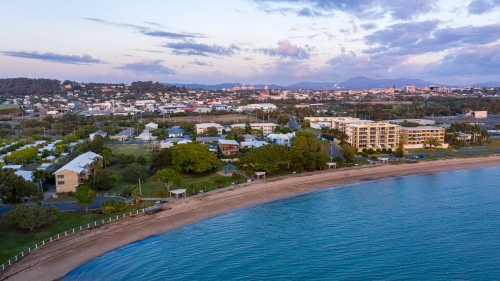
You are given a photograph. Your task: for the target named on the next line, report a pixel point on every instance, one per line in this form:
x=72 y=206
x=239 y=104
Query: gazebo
x=331 y=164
x=178 y=192
x=229 y=168
x=383 y=160
x=260 y=174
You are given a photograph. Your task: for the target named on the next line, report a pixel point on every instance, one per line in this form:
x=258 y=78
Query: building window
x=60 y=176
x=60 y=182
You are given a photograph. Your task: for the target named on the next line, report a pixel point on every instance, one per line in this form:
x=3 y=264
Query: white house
x=266 y=128
x=281 y=139
x=151 y=126
x=146 y=136
x=99 y=132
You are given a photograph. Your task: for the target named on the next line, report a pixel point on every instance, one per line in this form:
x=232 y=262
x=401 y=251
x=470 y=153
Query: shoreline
x=58 y=258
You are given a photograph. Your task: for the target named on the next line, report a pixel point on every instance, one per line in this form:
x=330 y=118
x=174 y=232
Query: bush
x=71 y=194
x=384 y=150
x=374 y=158
x=31 y=216
x=111 y=206
x=339 y=161
x=365 y=150
x=379 y=151
x=370 y=151
x=141 y=159
x=389 y=150
x=126 y=192
x=364 y=154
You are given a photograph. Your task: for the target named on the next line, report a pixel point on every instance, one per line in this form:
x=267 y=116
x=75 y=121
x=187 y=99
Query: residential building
x=202 y=128
x=414 y=137
x=72 y=174
x=229 y=147
x=281 y=139
x=99 y=132
x=266 y=128
x=146 y=135
x=123 y=135
x=372 y=135
x=253 y=144
x=151 y=126
x=176 y=132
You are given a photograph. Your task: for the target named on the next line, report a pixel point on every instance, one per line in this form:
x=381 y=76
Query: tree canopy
x=169 y=177
x=15 y=190
x=85 y=196
x=32 y=216
x=133 y=172
x=193 y=157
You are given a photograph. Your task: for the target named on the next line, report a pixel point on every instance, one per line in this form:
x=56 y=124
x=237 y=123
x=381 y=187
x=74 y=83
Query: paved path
x=70 y=206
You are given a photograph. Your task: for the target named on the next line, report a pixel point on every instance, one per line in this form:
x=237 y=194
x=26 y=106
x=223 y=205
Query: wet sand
x=58 y=258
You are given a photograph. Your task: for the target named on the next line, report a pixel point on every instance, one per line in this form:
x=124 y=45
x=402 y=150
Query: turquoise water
x=443 y=226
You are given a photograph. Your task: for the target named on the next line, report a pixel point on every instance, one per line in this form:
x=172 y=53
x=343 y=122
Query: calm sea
x=443 y=226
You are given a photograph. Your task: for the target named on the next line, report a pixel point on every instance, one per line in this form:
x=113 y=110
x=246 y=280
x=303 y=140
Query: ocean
x=442 y=226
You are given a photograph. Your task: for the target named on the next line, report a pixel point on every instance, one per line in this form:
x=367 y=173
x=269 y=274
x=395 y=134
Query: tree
x=237 y=177
x=94 y=168
x=431 y=144
x=155 y=147
x=22 y=156
x=133 y=172
x=400 y=149
x=85 y=196
x=161 y=160
x=136 y=194
x=15 y=190
x=212 y=132
x=31 y=216
x=305 y=124
x=39 y=177
x=193 y=157
x=451 y=148
x=283 y=119
x=219 y=181
x=248 y=126
x=107 y=155
x=204 y=184
x=348 y=151
x=168 y=177
x=194 y=188
x=105 y=180
x=162 y=193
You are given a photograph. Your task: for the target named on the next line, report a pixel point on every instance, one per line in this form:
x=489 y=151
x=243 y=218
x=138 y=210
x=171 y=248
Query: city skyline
x=259 y=41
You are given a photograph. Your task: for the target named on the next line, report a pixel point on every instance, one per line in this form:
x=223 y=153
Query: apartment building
x=72 y=174
x=372 y=134
x=229 y=147
x=202 y=128
x=266 y=128
x=414 y=137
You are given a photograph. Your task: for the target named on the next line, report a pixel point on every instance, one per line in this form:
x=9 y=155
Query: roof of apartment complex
x=78 y=164
x=422 y=128
x=228 y=142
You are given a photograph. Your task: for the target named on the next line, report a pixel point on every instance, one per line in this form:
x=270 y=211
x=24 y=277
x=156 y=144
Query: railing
x=63 y=234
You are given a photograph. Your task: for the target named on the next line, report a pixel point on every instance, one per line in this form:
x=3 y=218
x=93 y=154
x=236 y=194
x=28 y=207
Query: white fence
x=62 y=234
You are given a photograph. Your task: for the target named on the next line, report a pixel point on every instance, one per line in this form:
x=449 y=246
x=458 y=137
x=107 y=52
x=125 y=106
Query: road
x=70 y=206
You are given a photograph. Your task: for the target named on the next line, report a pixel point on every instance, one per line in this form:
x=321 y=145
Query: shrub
x=389 y=150
x=111 y=206
x=364 y=154
x=384 y=150
x=31 y=216
x=365 y=150
x=71 y=194
x=374 y=158
x=379 y=150
x=370 y=151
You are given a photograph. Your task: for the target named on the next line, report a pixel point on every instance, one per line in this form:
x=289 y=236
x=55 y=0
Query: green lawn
x=132 y=149
x=494 y=143
x=19 y=240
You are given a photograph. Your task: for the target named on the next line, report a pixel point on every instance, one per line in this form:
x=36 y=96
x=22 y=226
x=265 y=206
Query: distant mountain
x=363 y=82
x=312 y=85
x=487 y=84
x=224 y=86
x=356 y=83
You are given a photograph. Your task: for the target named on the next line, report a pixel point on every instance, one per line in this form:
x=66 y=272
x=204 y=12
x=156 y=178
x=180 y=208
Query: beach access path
x=58 y=258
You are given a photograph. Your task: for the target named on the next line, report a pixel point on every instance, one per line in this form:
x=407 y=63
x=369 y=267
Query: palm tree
x=220 y=181
x=94 y=168
x=432 y=143
x=205 y=185
x=106 y=155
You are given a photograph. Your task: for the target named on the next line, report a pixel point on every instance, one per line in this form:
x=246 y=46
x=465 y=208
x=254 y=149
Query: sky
x=251 y=41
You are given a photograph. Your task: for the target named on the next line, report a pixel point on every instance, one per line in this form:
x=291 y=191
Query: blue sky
x=259 y=41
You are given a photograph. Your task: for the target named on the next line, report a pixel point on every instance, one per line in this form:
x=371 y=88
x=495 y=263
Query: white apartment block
x=266 y=128
x=202 y=128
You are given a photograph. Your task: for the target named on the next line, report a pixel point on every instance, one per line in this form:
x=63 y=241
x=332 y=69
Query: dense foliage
x=15 y=190
x=26 y=86
x=193 y=157
x=32 y=216
x=111 y=206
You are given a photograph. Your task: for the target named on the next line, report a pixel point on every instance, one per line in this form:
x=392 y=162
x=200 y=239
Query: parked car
x=415 y=156
x=423 y=156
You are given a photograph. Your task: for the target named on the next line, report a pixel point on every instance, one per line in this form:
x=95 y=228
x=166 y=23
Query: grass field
x=19 y=240
x=8 y=106
x=494 y=143
x=132 y=149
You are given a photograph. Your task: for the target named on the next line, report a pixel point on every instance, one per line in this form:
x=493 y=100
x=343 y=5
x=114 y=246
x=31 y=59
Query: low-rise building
x=266 y=128
x=123 y=135
x=202 y=128
x=281 y=139
x=414 y=137
x=175 y=132
x=98 y=132
x=72 y=174
x=229 y=147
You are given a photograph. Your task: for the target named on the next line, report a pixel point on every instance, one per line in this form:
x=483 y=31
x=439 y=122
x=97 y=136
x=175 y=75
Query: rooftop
x=78 y=164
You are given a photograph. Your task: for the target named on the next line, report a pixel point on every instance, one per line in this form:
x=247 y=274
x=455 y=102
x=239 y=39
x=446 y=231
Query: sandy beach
x=58 y=258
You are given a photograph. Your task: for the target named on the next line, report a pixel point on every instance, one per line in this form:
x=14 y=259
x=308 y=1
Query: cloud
x=192 y=48
x=474 y=60
x=424 y=37
x=482 y=6
x=286 y=50
x=150 y=51
x=202 y=63
x=148 y=31
x=402 y=9
x=368 y=25
x=52 y=57
x=146 y=66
